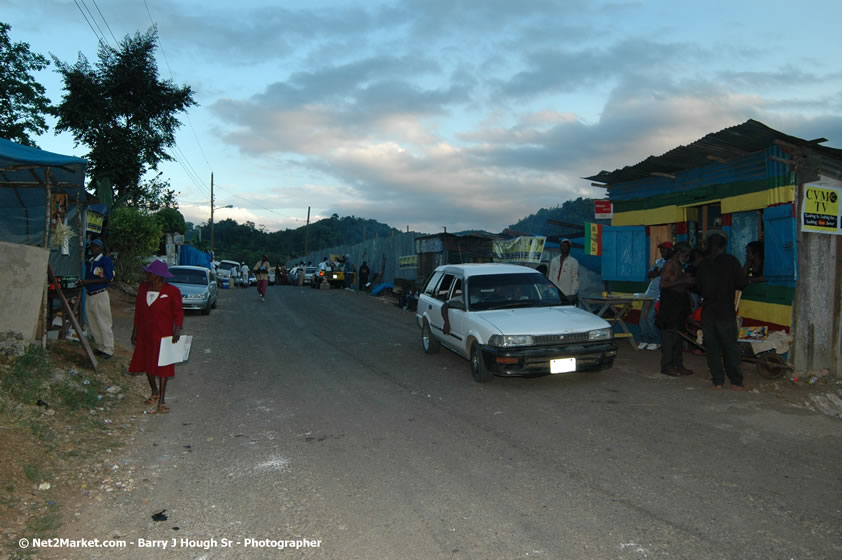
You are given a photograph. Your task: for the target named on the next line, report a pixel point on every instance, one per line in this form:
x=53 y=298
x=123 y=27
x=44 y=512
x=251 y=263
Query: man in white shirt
x=244 y=275
x=564 y=273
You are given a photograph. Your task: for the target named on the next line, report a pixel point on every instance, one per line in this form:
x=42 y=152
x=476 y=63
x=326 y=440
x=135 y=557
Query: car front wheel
x=479 y=370
x=428 y=341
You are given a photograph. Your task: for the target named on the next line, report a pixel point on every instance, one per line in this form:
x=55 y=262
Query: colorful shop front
x=751 y=182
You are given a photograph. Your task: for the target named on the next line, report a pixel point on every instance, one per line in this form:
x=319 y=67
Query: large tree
x=23 y=102
x=123 y=112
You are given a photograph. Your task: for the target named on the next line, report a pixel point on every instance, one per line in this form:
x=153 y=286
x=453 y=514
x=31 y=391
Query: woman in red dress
x=157 y=314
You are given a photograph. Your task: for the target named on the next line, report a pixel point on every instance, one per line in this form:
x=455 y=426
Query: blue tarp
x=23 y=199
x=194 y=257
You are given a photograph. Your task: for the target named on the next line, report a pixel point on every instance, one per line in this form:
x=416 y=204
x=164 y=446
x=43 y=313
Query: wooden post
x=69 y=312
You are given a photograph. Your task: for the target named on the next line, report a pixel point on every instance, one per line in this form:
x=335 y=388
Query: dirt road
x=317 y=416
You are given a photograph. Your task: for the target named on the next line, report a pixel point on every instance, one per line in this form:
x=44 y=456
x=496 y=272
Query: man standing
x=674 y=309
x=718 y=279
x=98 y=274
x=261 y=271
x=650 y=335
x=564 y=273
x=244 y=275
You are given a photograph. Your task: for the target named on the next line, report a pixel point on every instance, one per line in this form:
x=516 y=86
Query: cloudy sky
x=457 y=113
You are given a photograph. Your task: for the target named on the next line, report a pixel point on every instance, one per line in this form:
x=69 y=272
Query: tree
x=170 y=220
x=123 y=112
x=133 y=234
x=23 y=102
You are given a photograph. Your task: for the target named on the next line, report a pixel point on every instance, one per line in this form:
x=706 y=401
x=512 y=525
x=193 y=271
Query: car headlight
x=510 y=340
x=601 y=334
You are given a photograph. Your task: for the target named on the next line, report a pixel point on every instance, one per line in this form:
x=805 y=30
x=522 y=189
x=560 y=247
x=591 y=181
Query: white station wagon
x=510 y=320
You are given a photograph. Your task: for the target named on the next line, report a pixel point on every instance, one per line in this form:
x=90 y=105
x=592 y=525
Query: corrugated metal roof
x=749 y=137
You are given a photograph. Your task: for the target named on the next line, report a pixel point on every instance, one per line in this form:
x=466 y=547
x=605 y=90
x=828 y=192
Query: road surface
x=316 y=415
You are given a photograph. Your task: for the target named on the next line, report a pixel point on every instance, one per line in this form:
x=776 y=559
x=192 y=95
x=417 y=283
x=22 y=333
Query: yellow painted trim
x=768 y=312
x=758 y=200
x=649 y=217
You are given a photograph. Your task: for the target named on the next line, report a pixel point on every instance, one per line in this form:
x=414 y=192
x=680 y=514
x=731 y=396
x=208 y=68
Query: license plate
x=563 y=365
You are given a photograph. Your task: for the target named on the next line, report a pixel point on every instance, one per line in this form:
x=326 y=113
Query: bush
x=133 y=234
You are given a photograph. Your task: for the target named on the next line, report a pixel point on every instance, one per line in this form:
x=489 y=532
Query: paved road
x=317 y=415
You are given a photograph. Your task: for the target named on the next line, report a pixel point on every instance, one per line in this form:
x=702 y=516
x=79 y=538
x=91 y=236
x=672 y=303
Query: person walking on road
x=564 y=273
x=99 y=272
x=718 y=278
x=158 y=314
x=261 y=271
x=674 y=309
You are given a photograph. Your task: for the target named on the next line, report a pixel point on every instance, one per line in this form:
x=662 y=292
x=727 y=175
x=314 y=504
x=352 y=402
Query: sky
x=464 y=114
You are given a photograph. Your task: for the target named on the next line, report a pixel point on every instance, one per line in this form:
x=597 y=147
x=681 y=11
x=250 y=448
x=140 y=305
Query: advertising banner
x=519 y=250
x=593 y=239
x=820 y=209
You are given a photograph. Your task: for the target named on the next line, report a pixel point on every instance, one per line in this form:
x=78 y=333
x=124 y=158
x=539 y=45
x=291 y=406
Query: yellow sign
x=408 y=261
x=95 y=222
x=820 y=209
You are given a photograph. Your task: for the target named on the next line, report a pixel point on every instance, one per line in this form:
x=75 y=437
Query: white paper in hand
x=174 y=353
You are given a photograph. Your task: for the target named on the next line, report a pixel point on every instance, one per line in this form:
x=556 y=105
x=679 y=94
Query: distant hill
x=245 y=242
x=576 y=211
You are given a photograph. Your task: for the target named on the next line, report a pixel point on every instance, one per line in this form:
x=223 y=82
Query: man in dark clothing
x=718 y=279
x=364 y=272
x=674 y=309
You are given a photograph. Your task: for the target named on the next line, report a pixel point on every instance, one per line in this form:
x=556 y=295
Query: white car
x=510 y=320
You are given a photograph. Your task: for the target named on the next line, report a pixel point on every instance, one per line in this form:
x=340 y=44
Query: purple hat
x=158 y=268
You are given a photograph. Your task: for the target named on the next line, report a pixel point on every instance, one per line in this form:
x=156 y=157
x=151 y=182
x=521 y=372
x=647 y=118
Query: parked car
x=510 y=320
x=252 y=279
x=197 y=285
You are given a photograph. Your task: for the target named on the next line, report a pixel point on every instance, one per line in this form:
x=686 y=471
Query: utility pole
x=211 y=219
x=307 y=234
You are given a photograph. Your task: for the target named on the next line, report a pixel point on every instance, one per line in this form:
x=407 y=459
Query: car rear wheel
x=479 y=370
x=207 y=308
x=428 y=341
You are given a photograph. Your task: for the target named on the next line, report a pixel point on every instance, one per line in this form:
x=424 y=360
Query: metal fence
x=381 y=253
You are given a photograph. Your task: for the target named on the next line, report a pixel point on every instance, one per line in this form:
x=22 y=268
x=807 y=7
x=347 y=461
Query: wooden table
x=619 y=307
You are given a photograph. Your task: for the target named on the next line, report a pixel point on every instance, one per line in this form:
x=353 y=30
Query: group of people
x=709 y=281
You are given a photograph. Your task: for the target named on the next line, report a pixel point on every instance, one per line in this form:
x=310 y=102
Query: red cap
x=665 y=245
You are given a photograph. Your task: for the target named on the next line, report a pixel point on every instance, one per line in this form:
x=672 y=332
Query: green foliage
x=25 y=380
x=32 y=472
x=170 y=220
x=23 y=102
x=123 y=112
x=133 y=234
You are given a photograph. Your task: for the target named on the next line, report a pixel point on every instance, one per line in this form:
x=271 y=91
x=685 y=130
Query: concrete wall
x=23 y=277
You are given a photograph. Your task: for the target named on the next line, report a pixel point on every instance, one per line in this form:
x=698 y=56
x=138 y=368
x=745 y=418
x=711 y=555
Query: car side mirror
x=456 y=303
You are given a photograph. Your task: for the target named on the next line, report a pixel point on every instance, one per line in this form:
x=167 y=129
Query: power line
x=93 y=19
x=98 y=38
x=116 y=42
x=167 y=62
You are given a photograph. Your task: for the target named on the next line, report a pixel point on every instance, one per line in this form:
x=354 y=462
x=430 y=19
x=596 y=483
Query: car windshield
x=507 y=291
x=227 y=266
x=185 y=276
x=311 y=269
